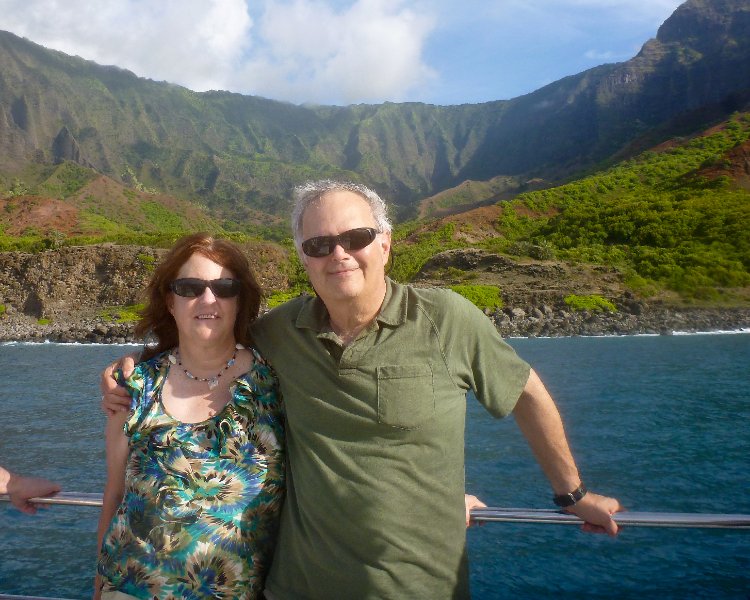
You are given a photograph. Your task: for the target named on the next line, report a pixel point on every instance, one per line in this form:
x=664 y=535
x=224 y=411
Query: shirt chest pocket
x=406 y=395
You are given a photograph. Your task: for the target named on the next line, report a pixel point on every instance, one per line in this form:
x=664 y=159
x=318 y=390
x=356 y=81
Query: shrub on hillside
x=482 y=296
x=593 y=303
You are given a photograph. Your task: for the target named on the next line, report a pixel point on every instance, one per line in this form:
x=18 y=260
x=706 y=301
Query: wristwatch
x=570 y=498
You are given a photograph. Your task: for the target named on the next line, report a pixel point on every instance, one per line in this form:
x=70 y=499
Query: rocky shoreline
x=58 y=296
x=547 y=322
x=532 y=321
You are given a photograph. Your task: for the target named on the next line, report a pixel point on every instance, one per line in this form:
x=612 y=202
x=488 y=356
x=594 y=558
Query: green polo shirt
x=375 y=434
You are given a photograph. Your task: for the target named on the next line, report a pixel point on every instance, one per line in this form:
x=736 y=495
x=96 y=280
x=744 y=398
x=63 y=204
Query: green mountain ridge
x=675 y=221
x=240 y=155
x=615 y=166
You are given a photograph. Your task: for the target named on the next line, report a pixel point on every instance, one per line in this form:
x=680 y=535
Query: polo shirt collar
x=394 y=309
x=314 y=314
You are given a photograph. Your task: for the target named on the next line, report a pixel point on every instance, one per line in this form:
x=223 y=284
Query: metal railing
x=512 y=515
x=488 y=514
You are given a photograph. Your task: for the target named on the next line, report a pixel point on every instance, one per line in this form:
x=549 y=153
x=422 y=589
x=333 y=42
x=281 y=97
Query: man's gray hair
x=310 y=192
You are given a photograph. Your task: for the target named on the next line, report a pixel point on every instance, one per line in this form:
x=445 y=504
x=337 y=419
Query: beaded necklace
x=212 y=381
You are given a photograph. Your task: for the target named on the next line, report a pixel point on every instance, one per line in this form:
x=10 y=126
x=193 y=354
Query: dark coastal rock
x=18 y=328
x=647 y=320
x=510 y=323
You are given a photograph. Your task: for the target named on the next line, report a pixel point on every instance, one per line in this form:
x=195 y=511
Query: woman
x=195 y=475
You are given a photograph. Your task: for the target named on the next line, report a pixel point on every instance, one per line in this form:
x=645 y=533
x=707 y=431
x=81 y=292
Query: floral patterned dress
x=200 y=511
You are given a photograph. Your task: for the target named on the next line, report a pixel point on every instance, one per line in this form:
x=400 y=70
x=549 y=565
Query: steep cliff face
x=77 y=282
x=71 y=285
x=74 y=281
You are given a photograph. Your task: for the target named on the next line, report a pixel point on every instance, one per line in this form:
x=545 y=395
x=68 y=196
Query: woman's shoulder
x=260 y=379
x=259 y=368
x=157 y=361
x=149 y=367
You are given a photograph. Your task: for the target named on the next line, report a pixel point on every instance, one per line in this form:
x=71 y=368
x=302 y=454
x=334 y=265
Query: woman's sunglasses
x=192 y=288
x=354 y=239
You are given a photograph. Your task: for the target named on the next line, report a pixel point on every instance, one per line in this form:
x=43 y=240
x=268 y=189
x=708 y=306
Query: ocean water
x=661 y=422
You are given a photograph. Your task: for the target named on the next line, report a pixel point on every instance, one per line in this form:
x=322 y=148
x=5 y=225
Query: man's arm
x=21 y=488
x=541 y=424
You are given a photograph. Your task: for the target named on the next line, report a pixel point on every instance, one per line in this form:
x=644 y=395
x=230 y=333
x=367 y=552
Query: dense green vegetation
x=296 y=276
x=483 y=296
x=38 y=242
x=277 y=298
x=409 y=258
x=122 y=314
x=65 y=180
x=592 y=303
x=148 y=262
x=671 y=219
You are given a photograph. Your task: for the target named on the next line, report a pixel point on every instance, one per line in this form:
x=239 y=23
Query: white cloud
x=191 y=42
x=326 y=51
x=344 y=51
x=369 y=51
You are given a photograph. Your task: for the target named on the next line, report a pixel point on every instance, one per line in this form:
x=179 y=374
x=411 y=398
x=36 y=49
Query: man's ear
x=385 y=245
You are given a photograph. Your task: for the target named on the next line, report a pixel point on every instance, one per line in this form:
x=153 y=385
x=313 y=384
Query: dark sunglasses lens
x=225 y=288
x=192 y=288
x=188 y=288
x=318 y=246
x=354 y=239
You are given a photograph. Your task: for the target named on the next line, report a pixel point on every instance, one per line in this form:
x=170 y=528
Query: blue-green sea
x=661 y=422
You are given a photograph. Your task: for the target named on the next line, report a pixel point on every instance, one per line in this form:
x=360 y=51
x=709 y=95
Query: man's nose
x=339 y=251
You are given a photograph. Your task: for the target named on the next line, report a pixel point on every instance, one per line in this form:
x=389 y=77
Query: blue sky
x=346 y=51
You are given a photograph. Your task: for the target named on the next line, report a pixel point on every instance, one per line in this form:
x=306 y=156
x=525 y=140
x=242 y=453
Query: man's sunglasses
x=354 y=239
x=191 y=287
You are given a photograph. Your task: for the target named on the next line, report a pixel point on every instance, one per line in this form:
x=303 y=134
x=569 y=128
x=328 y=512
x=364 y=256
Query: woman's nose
x=208 y=295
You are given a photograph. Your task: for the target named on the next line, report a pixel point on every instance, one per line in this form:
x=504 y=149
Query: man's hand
x=21 y=488
x=114 y=397
x=471 y=502
x=597 y=513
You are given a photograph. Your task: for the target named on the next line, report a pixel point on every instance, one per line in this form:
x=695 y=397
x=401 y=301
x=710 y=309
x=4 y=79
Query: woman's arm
x=21 y=488
x=117 y=457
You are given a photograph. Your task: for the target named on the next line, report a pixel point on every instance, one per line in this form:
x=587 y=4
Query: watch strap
x=569 y=499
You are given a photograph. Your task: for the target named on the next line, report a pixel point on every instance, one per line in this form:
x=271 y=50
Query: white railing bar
x=71 y=498
x=511 y=515
x=625 y=518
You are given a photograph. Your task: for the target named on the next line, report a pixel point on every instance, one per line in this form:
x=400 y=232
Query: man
x=374 y=376
x=21 y=489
